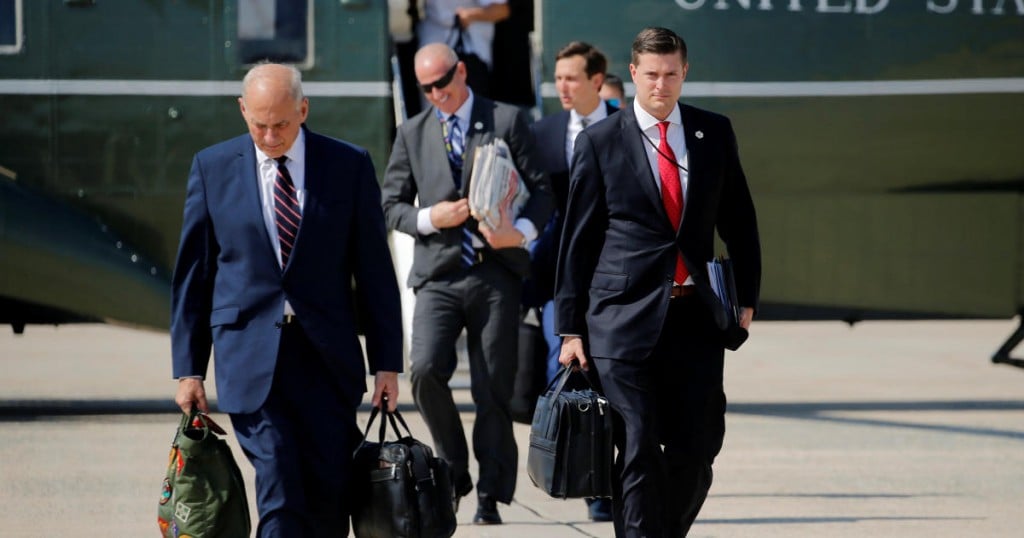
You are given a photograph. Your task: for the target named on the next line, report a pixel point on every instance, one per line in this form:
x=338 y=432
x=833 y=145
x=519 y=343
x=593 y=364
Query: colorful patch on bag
x=164 y=524
x=180 y=461
x=182 y=511
x=165 y=493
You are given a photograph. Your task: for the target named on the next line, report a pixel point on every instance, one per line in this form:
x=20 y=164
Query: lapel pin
x=699 y=134
x=478 y=126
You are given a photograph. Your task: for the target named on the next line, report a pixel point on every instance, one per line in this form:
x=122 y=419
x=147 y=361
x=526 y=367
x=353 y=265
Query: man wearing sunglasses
x=465 y=274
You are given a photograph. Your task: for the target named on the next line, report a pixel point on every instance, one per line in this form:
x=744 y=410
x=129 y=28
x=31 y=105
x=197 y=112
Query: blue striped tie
x=456 y=144
x=287 y=213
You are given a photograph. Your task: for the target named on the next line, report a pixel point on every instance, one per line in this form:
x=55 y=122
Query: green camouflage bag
x=203 y=495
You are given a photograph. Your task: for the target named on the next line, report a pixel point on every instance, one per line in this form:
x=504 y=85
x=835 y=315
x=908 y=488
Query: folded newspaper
x=495 y=186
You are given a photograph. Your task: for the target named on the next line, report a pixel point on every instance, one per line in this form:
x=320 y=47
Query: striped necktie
x=455 y=143
x=287 y=213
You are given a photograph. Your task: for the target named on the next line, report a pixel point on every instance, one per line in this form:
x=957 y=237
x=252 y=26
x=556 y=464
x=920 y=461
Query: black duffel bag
x=403 y=490
x=571 y=449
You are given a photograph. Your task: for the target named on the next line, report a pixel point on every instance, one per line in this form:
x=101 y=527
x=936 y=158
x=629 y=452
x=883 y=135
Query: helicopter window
x=10 y=26
x=276 y=30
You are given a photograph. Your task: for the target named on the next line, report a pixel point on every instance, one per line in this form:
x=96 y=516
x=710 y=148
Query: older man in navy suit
x=277 y=226
x=649 y=188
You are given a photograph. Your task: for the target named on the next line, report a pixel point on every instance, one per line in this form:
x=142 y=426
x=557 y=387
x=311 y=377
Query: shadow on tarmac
x=28 y=410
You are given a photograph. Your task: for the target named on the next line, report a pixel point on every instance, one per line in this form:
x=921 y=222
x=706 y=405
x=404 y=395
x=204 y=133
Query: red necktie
x=286 y=210
x=671 y=192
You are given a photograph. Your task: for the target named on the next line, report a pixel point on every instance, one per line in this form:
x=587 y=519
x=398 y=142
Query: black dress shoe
x=487 y=512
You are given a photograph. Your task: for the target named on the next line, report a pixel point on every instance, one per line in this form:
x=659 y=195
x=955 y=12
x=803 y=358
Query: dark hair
x=614 y=81
x=596 y=62
x=658 y=41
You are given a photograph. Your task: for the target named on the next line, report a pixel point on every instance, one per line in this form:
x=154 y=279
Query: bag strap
x=197 y=419
x=366 y=432
x=461 y=38
x=562 y=377
x=386 y=417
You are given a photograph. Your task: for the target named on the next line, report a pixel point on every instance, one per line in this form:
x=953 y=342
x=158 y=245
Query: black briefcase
x=403 y=491
x=571 y=451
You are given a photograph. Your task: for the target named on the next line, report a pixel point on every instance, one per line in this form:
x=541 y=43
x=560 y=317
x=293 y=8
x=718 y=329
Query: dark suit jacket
x=618 y=249
x=419 y=167
x=229 y=289
x=550 y=132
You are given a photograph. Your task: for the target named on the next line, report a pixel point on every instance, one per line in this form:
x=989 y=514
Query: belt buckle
x=679 y=290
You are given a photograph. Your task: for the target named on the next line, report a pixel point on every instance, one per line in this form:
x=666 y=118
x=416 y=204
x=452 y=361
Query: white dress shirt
x=266 y=169
x=576 y=126
x=676 y=140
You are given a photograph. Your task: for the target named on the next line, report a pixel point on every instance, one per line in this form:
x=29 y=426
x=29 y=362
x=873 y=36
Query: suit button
x=278 y=325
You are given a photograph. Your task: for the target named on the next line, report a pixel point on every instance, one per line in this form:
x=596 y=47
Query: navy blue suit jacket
x=229 y=290
x=550 y=132
x=618 y=250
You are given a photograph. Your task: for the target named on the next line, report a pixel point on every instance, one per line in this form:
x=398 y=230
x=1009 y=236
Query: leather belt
x=682 y=291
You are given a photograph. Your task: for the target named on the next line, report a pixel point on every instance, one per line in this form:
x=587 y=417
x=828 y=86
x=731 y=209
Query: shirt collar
x=463 y=113
x=598 y=114
x=296 y=154
x=647 y=121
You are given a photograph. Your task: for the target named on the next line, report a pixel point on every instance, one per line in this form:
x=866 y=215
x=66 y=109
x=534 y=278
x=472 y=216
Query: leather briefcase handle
x=388 y=416
x=562 y=377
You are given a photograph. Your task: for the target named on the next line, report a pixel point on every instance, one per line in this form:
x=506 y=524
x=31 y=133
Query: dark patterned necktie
x=671 y=192
x=455 y=143
x=287 y=213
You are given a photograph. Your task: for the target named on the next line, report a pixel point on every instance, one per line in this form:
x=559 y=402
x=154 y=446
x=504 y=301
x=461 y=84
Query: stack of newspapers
x=495 y=186
x=724 y=285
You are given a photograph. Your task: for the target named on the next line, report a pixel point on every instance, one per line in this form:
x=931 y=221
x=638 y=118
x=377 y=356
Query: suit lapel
x=634 y=140
x=479 y=131
x=313 y=186
x=558 y=140
x=434 y=156
x=246 y=175
x=694 y=157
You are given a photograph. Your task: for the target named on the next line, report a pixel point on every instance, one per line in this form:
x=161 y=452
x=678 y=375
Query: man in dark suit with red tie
x=277 y=226
x=649 y=188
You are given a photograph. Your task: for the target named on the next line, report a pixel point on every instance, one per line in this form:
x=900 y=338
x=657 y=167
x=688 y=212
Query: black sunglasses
x=441 y=82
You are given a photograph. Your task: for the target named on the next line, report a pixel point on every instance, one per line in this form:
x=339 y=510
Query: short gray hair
x=294 y=83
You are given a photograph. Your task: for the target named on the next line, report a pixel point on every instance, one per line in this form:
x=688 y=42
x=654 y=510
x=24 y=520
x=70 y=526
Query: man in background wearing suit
x=465 y=275
x=277 y=225
x=649 y=187
x=579 y=73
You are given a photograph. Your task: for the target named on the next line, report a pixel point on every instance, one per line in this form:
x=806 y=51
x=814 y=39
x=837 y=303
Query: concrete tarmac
x=886 y=429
